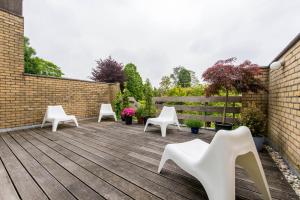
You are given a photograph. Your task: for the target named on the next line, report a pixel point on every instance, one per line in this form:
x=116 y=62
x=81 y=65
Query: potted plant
x=225 y=76
x=127 y=114
x=140 y=114
x=255 y=120
x=194 y=124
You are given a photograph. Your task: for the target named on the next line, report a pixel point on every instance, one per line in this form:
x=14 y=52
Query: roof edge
x=290 y=45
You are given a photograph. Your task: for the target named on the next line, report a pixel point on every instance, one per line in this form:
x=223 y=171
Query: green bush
x=140 y=111
x=254 y=119
x=193 y=123
x=118 y=104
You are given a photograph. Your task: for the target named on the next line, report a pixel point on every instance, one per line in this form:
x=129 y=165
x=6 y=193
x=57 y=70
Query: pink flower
x=128 y=112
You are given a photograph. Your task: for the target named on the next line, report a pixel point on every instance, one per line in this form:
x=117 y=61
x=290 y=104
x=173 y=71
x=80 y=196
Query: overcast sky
x=158 y=35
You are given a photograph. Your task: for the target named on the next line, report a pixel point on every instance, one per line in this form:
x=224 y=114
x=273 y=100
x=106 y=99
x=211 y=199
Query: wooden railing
x=204 y=108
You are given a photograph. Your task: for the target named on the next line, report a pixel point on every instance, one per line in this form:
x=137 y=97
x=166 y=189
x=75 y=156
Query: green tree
x=36 y=65
x=165 y=84
x=148 y=91
x=182 y=77
x=126 y=95
x=134 y=81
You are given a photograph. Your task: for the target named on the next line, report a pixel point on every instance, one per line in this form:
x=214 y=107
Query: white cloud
x=158 y=35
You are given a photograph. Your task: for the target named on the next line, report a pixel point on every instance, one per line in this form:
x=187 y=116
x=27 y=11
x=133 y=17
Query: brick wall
x=24 y=98
x=284 y=106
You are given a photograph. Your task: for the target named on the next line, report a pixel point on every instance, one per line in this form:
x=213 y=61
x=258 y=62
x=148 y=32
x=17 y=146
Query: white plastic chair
x=167 y=116
x=106 y=110
x=214 y=164
x=56 y=114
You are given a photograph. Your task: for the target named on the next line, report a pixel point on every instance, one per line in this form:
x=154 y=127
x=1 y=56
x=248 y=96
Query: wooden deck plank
x=7 y=190
x=125 y=186
x=25 y=185
x=72 y=183
x=97 y=184
x=130 y=172
x=116 y=161
x=133 y=161
x=269 y=166
x=240 y=173
x=52 y=188
x=243 y=182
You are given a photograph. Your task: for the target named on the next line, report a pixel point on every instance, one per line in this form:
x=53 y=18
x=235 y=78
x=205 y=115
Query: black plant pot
x=140 y=120
x=145 y=119
x=259 y=142
x=195 y=130
x=123 y=118
x=221 y=126
x=128 y=120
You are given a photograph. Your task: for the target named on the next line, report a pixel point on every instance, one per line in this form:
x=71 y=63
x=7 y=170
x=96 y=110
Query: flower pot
x=195 y=130
x=140 y=120
x=221 y=126
x=145 y=120
x=259 y=142
x=128 y=120
x=123 y=118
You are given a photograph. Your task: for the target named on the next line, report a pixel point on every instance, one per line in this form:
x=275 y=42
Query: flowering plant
x=128 y=112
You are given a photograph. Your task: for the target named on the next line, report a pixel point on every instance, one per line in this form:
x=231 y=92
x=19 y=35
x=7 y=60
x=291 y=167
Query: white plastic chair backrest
x=226 y=146
x=105 y=108
x=55 y=111
x=168 y=113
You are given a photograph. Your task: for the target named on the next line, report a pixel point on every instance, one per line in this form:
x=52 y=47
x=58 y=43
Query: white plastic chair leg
x=251 y=163
x=115 y=117
x=54 y=125
x=75 y=121
x=147 y=123
x=163 y=130
x=178 y=125
x=44 y=121
x=99 y=119
x=163 y=160
x=225 y=192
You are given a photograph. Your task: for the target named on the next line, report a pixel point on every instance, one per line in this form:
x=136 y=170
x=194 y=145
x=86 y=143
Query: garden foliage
x=36 y=65
x=134 y=81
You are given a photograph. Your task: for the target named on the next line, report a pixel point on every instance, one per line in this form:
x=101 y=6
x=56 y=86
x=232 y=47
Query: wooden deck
x=107 y=161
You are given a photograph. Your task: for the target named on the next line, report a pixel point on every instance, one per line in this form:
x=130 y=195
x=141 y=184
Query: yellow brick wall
x=284 y=106
x=24 y=98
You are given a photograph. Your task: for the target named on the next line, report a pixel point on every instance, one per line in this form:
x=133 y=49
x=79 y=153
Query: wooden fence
x=205 y=108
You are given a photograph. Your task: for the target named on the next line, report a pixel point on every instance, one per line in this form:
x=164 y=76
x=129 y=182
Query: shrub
x=254 y=119
x=193 y=123
x=148 y=92
x=118 y=104
x=140 y=111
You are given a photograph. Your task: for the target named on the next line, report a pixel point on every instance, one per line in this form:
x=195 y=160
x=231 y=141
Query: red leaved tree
x=109 y=71
x=224 y=75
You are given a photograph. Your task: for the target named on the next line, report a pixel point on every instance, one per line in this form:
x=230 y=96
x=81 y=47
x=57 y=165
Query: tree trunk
x=225 y=108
